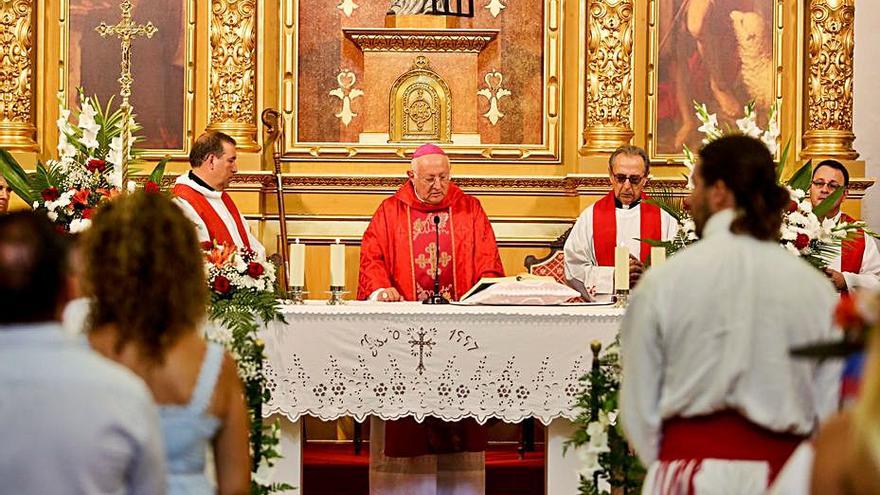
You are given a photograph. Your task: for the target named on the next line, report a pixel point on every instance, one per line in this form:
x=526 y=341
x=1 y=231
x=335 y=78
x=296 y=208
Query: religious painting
x=157 y=65
x=347 y=54
x=717 y=52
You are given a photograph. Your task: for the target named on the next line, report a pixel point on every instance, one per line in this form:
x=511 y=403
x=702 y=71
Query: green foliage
x=243 y=312
x=18 y=179
x=802 y=178
x=619 y=466
x=827 y=204
x=159 y=171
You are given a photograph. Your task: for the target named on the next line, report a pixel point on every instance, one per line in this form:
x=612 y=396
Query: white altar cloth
x=408 y=359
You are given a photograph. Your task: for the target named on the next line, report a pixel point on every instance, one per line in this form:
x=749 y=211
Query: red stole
x=425 y=256
x=605 y=229
x=852 y=250
x=217 y=229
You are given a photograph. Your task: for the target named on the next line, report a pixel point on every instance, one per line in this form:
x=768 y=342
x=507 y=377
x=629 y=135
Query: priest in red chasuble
x=399 y=260
x=620 y=218
x=858 y=266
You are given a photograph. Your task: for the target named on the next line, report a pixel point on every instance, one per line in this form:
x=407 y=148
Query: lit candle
x=337 y=264
x=297 y=264
x=658 y=256
x=621 y=268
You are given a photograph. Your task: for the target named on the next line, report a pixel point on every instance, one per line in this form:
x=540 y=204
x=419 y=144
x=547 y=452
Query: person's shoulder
x=102 y=374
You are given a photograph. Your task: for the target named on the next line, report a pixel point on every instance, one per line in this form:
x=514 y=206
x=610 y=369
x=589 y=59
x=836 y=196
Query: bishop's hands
x=389 y=295
x=837 y=279
x=636 y=269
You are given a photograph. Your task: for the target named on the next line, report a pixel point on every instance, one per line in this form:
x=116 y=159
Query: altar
x=407 y=359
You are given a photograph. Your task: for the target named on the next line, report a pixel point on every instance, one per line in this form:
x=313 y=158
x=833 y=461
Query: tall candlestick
x=658 y=256
x=337 y=264
x=621 y=268
x=297 y=264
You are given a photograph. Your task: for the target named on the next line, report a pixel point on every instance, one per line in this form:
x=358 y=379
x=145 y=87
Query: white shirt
x=214 y=199
x=580 y=252
x=869 y=274
x=73 y=422
x=712 y=329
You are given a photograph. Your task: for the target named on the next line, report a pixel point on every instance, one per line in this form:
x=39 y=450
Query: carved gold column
x=232 y=80
x=609 y=75
x=830 y=80
x=17 y=82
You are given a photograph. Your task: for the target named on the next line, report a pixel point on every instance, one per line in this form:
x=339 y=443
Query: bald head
x=33 y=257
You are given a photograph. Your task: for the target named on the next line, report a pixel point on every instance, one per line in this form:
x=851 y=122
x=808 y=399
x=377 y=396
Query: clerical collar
x=195 y=178
x=618 y=204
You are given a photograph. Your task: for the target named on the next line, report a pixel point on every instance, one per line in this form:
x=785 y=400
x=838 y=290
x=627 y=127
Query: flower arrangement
x=241 y=286
x=599 y=441
x=802 y=233
x=92 y=166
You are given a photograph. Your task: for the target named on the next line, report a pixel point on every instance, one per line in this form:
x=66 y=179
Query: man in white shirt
x=858 y=266
x=711 y=400
x=202 y=196
x=71 y=421
x=620 y=218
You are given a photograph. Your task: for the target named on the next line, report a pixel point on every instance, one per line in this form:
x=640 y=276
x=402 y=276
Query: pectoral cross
x=126 y=30
x=421 y=343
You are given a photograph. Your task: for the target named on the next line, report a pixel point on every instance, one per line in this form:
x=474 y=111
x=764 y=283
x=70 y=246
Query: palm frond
x=19 y=180
x=828 y=203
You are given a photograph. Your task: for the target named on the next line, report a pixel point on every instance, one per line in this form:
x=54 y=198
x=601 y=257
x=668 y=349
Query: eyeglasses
x=831 y=185
x=430 y=180
x=633 y=179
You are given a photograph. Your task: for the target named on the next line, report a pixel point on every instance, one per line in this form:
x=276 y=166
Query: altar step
x=334 y=469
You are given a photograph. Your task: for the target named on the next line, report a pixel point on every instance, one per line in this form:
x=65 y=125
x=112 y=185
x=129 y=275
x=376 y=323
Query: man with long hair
x=710 y=398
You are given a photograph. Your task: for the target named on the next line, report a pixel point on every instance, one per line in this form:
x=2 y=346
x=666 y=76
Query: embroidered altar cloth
x=394 y=360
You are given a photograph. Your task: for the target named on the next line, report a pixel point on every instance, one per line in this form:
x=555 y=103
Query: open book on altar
x=520 y=289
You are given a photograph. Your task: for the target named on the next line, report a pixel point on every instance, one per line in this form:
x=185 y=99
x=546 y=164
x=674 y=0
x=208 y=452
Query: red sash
x=605 y=229
x=852 y=250
x=217 y=230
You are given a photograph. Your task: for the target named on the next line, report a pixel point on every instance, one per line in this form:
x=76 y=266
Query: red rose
x=221 y=284
x=96 y=165
x=50 y=194
x=151 y=187
x=88 y=212
x=792 y=207
x=802 y=241
x=207 y=245
x=255 y=270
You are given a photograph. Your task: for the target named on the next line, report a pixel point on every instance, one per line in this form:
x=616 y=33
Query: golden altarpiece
x=528 y=97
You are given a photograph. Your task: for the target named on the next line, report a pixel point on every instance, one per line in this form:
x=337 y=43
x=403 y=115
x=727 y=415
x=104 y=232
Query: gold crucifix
x=126 y=30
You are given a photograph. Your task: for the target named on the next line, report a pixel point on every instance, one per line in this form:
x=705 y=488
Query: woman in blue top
x=145 y=274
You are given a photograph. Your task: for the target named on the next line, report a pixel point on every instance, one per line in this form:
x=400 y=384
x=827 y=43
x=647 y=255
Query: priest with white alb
x=711 y=399
x=620 y=218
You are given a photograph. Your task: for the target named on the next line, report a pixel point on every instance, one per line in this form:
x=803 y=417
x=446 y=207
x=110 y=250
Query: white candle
x=621 y=268
x=658 y=256
x=297 y=264
x=337 y=264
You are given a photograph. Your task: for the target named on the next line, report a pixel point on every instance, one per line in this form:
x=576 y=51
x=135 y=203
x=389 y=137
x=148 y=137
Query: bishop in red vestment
x=400 y=257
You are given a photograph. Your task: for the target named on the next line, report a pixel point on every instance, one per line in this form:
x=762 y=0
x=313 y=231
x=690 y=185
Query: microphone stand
x=436 y=298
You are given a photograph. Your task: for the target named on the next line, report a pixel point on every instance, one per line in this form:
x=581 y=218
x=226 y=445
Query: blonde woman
x=144 y=272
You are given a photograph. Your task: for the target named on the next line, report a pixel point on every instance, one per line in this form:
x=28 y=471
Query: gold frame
x=549 y=151
x=189 y=86
x=421 y=76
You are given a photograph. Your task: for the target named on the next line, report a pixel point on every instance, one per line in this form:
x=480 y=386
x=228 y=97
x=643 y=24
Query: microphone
x=436 y=298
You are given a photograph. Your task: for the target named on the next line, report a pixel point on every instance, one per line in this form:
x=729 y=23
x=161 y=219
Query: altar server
x=711 y=400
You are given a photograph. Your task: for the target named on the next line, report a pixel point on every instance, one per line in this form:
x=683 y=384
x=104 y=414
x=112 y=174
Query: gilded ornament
x=421 y=106
x=17 y=129
x=830 y=79
x=609 y=74
x=421 y=40
x=232 y=80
